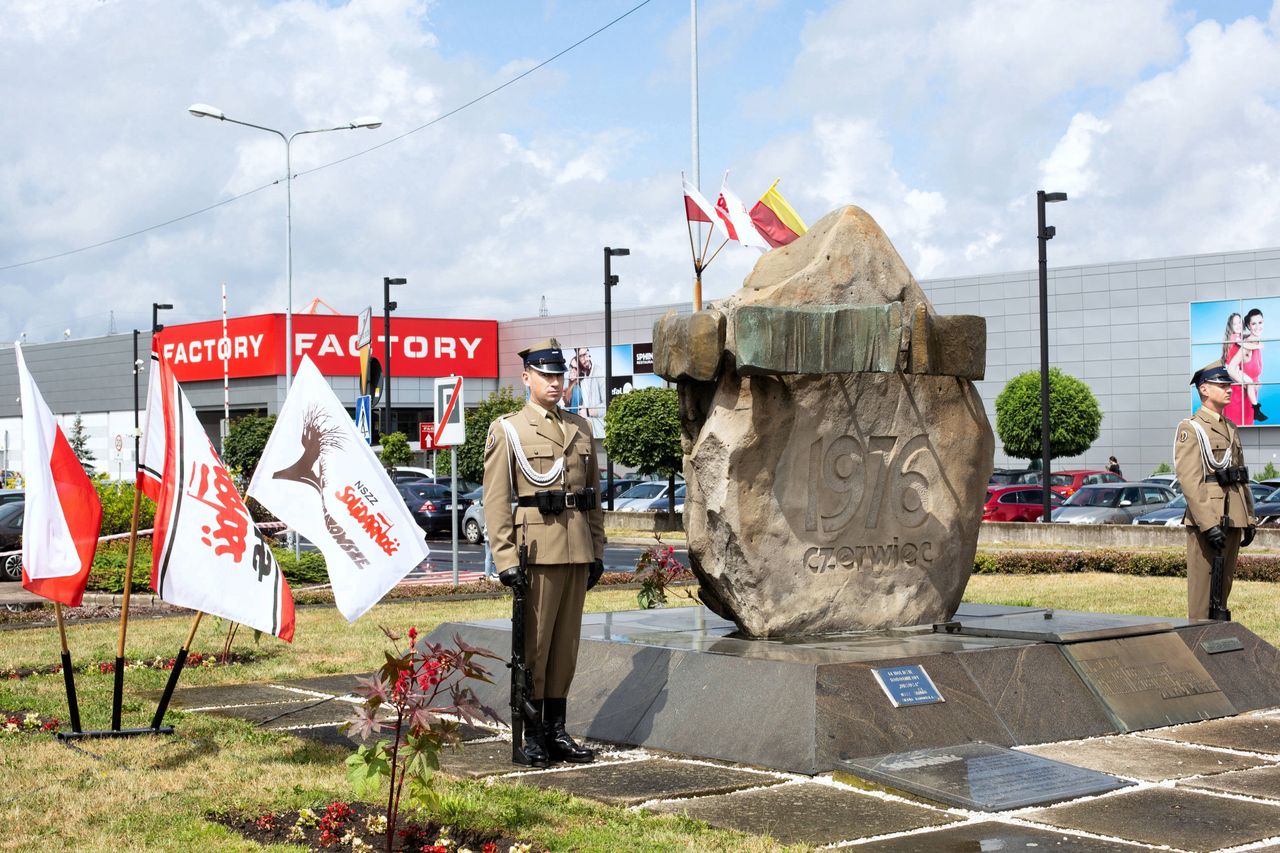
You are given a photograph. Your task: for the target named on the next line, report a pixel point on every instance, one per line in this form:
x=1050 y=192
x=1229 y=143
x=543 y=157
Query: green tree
x=246 y=439
x=642 y=430
x=1074 y=416
x=476 y=423
x=79 y=441
x=395 y=450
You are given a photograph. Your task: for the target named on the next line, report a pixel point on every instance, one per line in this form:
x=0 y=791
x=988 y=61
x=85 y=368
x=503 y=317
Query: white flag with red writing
x=318 y=476
x=206 y=553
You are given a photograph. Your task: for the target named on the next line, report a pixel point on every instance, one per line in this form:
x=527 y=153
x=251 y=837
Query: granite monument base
x=679 y=679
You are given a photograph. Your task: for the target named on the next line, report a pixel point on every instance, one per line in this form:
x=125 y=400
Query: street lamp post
x=610 y=280
x=1044 y=234
x=369 y=122
x=387 y=307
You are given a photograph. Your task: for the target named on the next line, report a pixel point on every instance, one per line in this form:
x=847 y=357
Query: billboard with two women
x=1235 y=332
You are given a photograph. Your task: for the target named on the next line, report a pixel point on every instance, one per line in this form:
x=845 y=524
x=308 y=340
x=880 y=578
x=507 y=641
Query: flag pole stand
x=117 y=694
x=68 y=675
x=178 y=663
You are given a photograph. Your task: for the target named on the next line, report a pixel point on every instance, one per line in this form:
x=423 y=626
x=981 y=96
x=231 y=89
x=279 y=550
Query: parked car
x=1170 y=480
x=1170 y=515
x=465 y=486
x=1268 y=509
x=1111 y=503
x=473 y=525
x=8 y=496
x=406 y=474
x=1017 y=503
x=11 y=539
x=1007 y=476
x=638 y=497
x=432 y=505
x=1067 y=483
x=620 y=485
x=662 y=504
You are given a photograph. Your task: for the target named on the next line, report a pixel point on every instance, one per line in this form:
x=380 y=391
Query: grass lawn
x=152 y=793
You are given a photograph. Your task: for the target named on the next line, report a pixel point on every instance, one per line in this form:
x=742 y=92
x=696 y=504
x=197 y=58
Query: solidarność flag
x=207 y=554
x=737 y=220
x=318 y=476
x=62 y=515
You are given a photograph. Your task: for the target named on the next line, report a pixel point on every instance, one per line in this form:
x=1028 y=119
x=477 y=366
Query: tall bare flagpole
x=697 y=166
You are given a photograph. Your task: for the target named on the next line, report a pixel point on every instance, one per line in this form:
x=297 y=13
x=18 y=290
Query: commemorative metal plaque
x=1223 y=644
x=1148 y=681
x=907 y=685
x=982 y=776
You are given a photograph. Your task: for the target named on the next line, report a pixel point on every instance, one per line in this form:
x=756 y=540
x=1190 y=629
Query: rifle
x=522 y=709
x=1217 y=570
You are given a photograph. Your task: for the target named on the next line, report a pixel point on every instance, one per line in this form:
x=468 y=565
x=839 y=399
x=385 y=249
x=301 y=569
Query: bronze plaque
x=1148 y=681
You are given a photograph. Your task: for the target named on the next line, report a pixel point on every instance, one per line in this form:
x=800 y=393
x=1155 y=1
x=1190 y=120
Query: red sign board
x=255 y=346
x=427 y=436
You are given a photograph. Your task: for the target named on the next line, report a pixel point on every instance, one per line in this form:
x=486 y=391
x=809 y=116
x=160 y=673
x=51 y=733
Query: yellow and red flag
x=775 y=219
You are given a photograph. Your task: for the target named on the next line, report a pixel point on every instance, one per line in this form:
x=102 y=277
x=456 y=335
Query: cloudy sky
x=941 y=118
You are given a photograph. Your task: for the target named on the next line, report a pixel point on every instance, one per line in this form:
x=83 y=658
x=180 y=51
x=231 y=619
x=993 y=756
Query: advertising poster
x=1236 y=331
x=584 y=385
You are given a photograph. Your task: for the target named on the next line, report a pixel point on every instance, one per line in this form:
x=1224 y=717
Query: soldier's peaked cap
x=544 y=356
x=1214 y=373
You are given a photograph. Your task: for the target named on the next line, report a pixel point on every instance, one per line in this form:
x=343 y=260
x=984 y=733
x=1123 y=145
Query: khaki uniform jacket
x=1204 y=496
x=573 y=536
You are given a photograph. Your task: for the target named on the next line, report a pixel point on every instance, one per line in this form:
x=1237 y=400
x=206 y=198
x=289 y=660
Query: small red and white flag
x=737 y=220
x=206 y=553
x=151 y=463
x=698 y=209
x=318 y=476
x=62 y=515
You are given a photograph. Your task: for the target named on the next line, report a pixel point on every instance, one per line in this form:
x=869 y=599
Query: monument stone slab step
x=808 y=813
x=630 y=783
x=1178 y=817
x=1144 y=758
x=1248 y=733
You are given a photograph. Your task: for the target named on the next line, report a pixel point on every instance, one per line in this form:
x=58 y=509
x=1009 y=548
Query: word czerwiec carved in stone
x=836 y=452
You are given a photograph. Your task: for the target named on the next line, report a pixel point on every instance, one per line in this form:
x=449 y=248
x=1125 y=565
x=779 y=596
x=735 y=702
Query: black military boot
x=533 y=751
x=561 y=747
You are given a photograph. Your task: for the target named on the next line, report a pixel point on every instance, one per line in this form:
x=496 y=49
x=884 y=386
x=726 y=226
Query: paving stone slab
x=1178 y=817
x=287 y=714
x=972 y=837
x=1261 y=782
x=339 y=685
x=807 y=813
x=629 y=783
x=331 y=735
x=230 y=694
x=1144 y=758
x=1251 y=733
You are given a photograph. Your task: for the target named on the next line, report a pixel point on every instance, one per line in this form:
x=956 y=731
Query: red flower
x=489 y=847
x=413 y=635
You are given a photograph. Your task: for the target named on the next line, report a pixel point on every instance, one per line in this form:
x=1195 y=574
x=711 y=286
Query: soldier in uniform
x=1210 y=467
x=540 y=484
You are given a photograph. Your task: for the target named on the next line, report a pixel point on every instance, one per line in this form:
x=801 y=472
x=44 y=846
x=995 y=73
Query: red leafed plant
x=418 y=697
x=656 y=568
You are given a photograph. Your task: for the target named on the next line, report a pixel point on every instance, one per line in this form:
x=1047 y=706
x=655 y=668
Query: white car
x=638 y=497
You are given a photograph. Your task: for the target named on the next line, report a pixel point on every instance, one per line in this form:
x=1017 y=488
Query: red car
x=1067 y=483
x=1018 y=503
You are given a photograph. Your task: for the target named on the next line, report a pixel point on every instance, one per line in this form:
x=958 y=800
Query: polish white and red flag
x=206 y=553
x=318 y=476
x=151 y=447
x=734 y=213
x=698 y=209
x=62 y=515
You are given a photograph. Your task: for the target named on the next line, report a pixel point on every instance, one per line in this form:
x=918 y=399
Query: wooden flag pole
x=68 y=676
x=178 y=663
x=117 y=695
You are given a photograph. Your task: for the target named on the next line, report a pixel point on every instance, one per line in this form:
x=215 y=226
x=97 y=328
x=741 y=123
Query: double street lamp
x=369 y=122
x=1044 y=234
x=610 y=281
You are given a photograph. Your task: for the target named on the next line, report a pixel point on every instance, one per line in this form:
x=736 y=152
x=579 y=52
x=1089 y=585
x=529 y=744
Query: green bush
x=307 y=568
x=110 y=562
x=1074 y=416
x=1163 y=564
x=117 y=507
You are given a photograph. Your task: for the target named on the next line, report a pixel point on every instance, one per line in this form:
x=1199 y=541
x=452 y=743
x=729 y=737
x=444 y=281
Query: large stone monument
x=837 y=454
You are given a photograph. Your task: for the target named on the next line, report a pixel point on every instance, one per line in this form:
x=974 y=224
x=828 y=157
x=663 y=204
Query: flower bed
x=194 y=659
x=15 y=723
x=363 y=827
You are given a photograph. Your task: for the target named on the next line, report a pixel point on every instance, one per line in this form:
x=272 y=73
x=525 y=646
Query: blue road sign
x=364 y=420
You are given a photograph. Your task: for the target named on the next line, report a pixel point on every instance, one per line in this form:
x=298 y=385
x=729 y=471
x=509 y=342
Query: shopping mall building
x=1133 y=330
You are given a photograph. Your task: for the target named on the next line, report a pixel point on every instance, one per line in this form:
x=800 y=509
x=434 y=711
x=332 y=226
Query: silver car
x=1112 y=503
